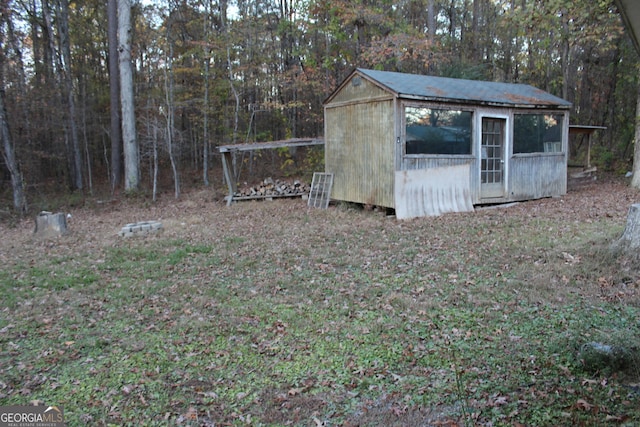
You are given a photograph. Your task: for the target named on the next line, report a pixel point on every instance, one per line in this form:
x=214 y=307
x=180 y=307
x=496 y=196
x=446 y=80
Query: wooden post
x=229 y=176
x=49 y=224
x=589 y=150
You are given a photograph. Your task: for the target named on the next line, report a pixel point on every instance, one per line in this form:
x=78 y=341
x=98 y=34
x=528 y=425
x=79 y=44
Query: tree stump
x=629 y=242
x=50 y=225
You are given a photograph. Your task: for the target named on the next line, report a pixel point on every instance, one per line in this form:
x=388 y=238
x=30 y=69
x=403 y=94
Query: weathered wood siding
x=358 y=89
x=536 y=176
x=359 y=144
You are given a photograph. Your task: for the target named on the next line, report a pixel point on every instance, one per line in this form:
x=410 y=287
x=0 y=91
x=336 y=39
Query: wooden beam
x=295 y=142
x=582 y=129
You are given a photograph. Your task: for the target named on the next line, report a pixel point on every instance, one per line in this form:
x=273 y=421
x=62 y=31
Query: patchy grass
x=269 y=314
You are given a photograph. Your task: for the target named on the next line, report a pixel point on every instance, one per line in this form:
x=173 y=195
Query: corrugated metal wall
x=529 y=176
x=413 y=163
x=429 y=192
x=359 y=152
x=533 y=177
x=359 y=144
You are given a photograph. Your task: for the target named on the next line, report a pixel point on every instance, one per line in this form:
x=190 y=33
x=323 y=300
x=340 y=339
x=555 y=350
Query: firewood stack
x=273 y=188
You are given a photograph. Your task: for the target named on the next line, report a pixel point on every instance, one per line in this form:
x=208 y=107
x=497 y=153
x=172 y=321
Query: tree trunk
x=431 y=20
x=155 y=158
x=635 y=181
x=49 y=44
x=37 y=48
x=170 y=117
x=131 y=151
x=8 y=153
x=65 y=47
x=565 y=57
x=54 y=82
x=475 y=33
x=85 y=138
x=205 y=106
x=237 y=99
x=114 y=95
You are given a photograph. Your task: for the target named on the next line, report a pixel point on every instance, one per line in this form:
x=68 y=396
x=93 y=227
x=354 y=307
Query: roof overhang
x=584 y=129
x=630 y=11
x=533 y=106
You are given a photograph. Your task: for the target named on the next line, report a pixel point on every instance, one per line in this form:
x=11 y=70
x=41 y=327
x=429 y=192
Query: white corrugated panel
x=431 y=192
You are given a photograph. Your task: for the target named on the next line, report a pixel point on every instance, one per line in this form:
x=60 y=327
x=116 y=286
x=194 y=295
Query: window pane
x=433 y=131
x=537 y=133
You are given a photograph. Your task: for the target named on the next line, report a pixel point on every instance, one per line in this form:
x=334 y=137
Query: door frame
x=506 y=150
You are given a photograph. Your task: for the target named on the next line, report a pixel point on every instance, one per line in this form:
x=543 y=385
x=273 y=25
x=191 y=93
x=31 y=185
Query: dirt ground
x=202 y=215
x=97 y=222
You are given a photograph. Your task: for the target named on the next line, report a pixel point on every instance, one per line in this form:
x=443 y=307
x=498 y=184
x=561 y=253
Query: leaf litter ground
x=267 y=313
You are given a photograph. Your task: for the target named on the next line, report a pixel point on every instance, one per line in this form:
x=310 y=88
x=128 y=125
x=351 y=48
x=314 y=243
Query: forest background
x=210 y=73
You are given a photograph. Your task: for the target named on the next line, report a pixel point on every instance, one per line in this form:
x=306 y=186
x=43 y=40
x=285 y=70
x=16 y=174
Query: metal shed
x=426 y=145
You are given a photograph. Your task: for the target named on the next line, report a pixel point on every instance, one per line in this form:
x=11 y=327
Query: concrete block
x=140 y=228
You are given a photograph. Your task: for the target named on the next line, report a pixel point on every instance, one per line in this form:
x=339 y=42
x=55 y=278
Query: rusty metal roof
x=464 y=91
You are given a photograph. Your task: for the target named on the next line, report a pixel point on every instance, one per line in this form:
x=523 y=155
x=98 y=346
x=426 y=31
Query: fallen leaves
x=616 y=418
x=368 y=306
x=399 y=410
x=191 y=414
x=295 y=391
x=498 y=400
x=585 y=406
x=570 y=259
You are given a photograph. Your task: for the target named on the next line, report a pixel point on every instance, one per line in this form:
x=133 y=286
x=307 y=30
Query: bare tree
x=8 y=153
x=635 y=180
x=114 y=95
x=65 y=46
x=130 y=141
x=60 y=57
x=205 y=103
x=169 y=87
x=431 y=20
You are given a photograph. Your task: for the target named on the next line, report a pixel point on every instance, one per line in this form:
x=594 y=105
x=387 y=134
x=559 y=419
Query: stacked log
x=270 y=188
x=582 y=176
